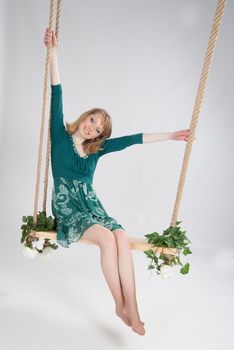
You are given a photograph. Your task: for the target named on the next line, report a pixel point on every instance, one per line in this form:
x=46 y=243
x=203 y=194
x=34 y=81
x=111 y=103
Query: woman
x=75 y=152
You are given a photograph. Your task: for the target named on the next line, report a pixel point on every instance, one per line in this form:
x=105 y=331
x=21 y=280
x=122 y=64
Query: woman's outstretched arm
x=181 y=135
x=58 y=131
x=156 y=136
x=54 y=69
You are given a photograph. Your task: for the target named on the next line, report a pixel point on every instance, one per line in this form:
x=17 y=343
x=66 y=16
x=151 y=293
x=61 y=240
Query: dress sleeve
x=57 y=128
x=119 y=143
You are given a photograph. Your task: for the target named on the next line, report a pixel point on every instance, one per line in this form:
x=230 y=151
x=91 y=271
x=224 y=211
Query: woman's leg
x=105 y=239
x=127 y=277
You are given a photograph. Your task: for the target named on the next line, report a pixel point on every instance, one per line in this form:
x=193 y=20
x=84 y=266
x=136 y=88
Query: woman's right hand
x=50 y=35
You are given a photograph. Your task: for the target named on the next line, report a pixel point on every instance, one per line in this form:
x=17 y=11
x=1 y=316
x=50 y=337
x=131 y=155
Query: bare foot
x=138 y=328
x=126 y=312
x=120 y=312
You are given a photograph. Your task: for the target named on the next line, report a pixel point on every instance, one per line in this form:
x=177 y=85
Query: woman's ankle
x=119 y=306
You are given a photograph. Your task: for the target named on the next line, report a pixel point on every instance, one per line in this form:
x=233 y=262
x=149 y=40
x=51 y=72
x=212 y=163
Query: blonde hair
x=92 y=145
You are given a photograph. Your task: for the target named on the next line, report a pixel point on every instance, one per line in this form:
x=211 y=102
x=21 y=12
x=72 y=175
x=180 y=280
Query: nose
x=91 y=126
x=90 y=129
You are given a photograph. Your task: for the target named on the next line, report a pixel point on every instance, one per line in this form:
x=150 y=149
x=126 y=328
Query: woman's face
x=91 y=126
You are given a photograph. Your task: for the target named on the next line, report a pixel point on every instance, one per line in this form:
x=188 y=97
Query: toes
x=139 y=330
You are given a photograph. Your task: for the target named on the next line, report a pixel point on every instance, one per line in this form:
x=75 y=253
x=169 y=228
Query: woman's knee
x=106 y=238
x=100 y=235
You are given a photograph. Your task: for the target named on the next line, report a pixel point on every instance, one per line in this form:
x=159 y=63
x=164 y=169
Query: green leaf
x=185 y=269
x=149 y=253
x=150 y=267
x=52 y=245
x=178 y=222
x=187 y=251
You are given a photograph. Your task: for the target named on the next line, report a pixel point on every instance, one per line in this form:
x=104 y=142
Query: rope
x=48 y=146
x=198 y=102
x=39 y=162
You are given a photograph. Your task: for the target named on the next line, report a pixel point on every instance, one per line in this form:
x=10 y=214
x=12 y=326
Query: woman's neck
x=79 y=139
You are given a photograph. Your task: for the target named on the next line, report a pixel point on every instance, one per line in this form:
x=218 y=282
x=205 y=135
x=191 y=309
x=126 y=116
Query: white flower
x=165 y=270
x=29 y=252
x=34 y=244
x=46 y=253
x=38 y=243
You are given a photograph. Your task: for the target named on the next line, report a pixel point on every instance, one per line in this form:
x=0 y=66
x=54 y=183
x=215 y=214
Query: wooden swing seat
x=135 y=243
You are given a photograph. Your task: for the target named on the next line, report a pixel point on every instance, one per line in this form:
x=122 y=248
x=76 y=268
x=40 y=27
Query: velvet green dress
x=75 y=204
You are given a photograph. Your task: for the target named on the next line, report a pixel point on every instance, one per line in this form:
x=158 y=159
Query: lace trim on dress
x=75 y=149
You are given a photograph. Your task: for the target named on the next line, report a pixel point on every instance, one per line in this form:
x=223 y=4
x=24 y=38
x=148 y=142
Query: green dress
x=75 y=204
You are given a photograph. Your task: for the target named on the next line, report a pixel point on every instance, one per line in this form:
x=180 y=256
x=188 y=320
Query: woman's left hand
x=181 y=135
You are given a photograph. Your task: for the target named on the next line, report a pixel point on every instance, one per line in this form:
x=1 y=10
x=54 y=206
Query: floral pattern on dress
x=77 y=207
x=61 y=199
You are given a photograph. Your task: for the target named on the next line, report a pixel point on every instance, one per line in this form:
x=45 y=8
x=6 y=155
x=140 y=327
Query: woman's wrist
x=53 y=51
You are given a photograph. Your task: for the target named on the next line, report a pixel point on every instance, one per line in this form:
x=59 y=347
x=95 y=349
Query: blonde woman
x=75 y=151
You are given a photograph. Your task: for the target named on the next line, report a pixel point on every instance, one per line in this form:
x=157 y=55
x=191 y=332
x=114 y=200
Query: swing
x=135 y=243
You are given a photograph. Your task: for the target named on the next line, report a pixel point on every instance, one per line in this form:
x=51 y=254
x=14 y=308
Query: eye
x=98 y=131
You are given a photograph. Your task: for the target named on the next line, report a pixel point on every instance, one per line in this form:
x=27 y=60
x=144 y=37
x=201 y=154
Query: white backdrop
x=141 y=60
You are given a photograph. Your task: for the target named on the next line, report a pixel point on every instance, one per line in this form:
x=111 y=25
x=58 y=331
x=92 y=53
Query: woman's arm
x=156 y=136
x=181 y=135
x=119 y=143
x=54 y=70
x=58 y=131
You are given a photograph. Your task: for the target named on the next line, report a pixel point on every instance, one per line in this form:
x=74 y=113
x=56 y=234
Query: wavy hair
x=94 y=145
